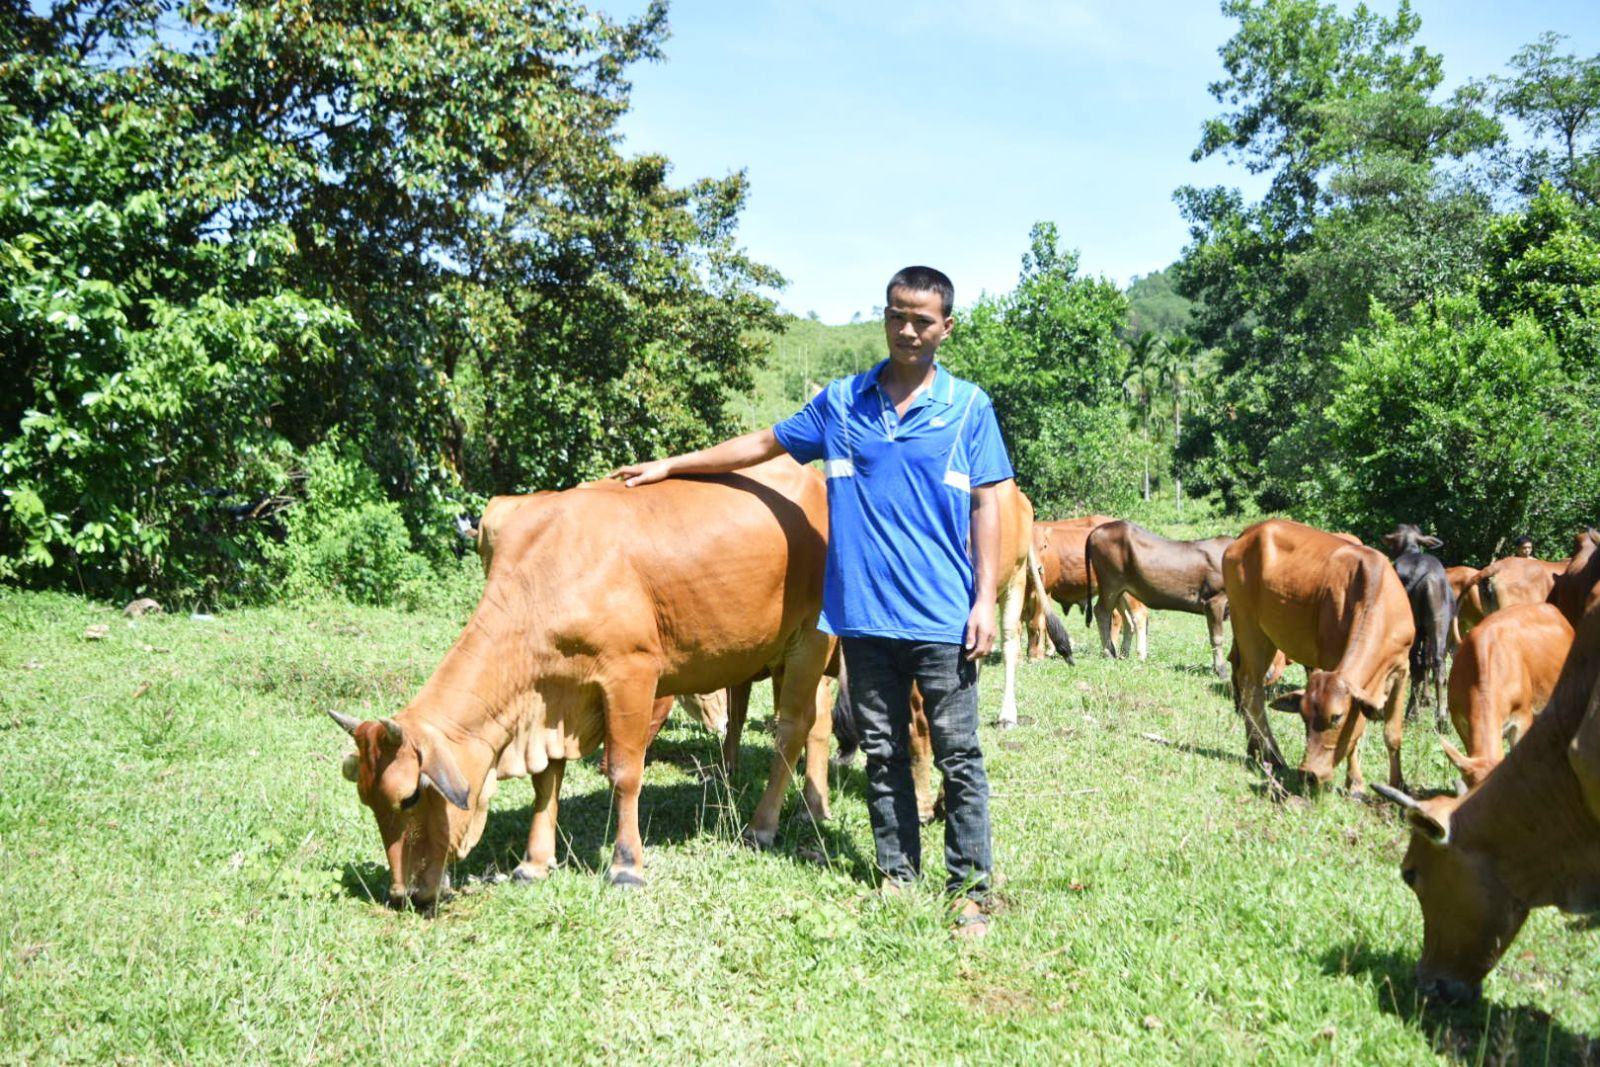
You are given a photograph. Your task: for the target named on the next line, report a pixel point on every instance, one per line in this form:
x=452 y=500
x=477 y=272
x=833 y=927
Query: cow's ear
x=1290 y=702
x=350 y=767
x=1434 y=825
x=1429 y=820
x=1391 y=539
x=1366 y=707
x=439 y=770
x=1430 y=541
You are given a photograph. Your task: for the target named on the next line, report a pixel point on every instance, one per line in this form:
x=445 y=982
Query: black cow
x=1433 y=605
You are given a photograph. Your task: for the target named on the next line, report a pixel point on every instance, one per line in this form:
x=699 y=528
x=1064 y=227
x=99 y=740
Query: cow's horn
x=1389 y=793
x=392 y=731
x=348 y=722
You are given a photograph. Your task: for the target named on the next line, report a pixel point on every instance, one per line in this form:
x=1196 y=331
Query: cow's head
x=1469 y=916
x=1407 y=537
x=412 y=779
x=1332 y=712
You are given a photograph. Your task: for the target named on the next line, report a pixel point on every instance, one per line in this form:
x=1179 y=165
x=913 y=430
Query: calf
x=1503 y=674
x=1339 y=609
x=1433 y=608
x=1528 y=837
x=1060 y=548
x=1126 y=560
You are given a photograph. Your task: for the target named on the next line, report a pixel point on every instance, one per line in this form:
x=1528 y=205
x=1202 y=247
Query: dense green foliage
x=1048 y=356
x=405 y=224
x=1382 y=209
x=1452 y=421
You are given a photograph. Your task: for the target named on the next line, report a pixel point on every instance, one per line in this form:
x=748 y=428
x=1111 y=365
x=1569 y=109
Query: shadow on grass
x=1484 y=1032
x=712 y=805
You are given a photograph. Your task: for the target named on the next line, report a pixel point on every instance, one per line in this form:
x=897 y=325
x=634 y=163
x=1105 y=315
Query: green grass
x=186 y=877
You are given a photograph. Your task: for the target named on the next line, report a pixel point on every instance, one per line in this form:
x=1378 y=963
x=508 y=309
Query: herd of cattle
x=602 y=604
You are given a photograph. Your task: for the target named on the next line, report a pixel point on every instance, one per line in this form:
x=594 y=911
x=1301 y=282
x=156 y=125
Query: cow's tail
x=1058 y=636
x=1036 y=603
x=1486 y=592
x=1088 y=578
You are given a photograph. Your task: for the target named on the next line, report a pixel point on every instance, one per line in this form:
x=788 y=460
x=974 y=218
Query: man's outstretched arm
x=733 y=454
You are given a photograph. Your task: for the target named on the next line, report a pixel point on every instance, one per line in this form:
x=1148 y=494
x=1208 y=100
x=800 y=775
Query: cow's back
x=1061 y=545
x=705 y=576
x=1305 y=589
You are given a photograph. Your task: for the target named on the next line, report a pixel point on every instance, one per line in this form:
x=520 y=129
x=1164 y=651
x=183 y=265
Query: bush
x=1469 y=428
x=344 y=539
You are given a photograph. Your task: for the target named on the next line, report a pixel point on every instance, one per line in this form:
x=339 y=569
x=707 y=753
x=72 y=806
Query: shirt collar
x=941 y=391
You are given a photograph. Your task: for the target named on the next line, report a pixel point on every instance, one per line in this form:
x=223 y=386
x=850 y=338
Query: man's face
x=1525 y=548
x=915 y=324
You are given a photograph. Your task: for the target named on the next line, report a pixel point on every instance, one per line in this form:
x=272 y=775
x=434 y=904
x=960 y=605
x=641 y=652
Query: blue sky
x=939 y=131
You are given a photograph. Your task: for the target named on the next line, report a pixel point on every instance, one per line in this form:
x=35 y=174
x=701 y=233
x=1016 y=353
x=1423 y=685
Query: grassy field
x=186 y=877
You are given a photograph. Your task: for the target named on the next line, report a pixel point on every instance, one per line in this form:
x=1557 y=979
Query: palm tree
x=1142 y=356
x=1175 y=369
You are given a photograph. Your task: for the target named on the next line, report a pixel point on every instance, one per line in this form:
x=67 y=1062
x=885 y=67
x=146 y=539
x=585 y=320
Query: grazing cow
x=1060 y=547
x=583 y=623
x=1528 y=837
x=1339 y=609
x=1503 y=674
x=1577 y=588
x=1433 y=608
x=1124 y=560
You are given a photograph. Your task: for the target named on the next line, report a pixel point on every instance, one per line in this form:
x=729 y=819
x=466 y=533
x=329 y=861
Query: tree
x=1047 y=354
x=1456 y=422
x=1341 y=111
x=1557 y=97
x=407 y=221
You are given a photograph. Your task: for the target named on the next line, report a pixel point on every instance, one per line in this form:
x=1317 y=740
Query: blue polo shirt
x=899 y=501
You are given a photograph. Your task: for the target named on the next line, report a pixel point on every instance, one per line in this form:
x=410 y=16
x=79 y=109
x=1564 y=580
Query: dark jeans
x=880 y=671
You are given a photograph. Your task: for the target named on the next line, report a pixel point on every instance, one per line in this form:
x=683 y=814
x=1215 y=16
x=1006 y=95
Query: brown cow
x=1019 y=587
x=582 y=624
x=1503 y=674
x=1339 y=609
x=1068 y=581
x=1577 y=588
x=1125 y=560
x=1528 y=837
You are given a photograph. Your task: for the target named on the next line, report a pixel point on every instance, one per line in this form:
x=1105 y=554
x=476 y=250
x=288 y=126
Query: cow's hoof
x=806 y=815
x=527 y=873
x=758 y=840
x=625 y=880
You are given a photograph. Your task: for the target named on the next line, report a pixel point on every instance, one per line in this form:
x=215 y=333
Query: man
x=912 y=455
x=1522 y=546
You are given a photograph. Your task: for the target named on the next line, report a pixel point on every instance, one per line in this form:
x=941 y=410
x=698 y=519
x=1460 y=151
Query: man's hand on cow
x=980 y=631
x=643 y=473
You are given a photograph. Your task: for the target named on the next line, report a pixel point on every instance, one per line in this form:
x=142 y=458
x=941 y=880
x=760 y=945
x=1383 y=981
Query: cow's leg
x=738 y=710
x=1441 y=714
x=1216 y=611
x=921 y=758
x=1011 y=598
x=1584 y=754
x=540 y=859
x=1104 y=607
x=1252 y=652
x=629 y=698
x=795 y=706
x=816 y=784
x=1393 y=727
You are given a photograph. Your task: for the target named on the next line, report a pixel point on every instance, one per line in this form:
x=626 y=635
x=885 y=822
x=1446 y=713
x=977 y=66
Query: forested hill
x=804 y=353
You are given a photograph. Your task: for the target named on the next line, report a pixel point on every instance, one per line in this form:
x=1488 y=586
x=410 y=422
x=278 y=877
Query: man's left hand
x=980 y=631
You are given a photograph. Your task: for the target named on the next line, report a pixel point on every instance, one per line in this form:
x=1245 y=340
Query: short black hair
x=1523 y=540
x=922 y=280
